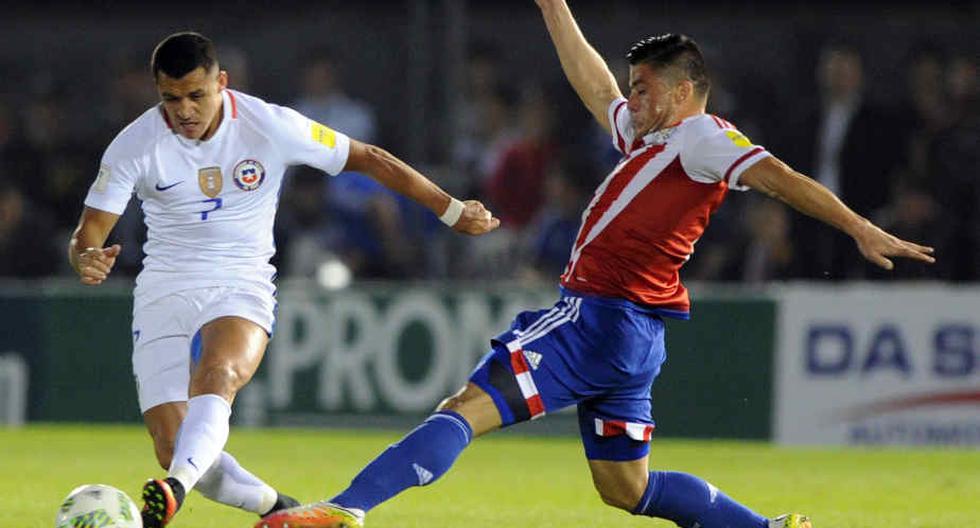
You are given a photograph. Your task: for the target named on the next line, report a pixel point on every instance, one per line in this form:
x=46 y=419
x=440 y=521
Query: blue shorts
x=598 y=353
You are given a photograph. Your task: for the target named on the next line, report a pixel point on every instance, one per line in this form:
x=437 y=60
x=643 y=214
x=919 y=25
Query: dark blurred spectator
x=515 y=188
x=28 y=242
x=929 y=109
x=568 y=186
x=954 y=173
x=768 y=247
x=132 y=92
x=373 y=240
x=840 y=142
x=234 y=60
x=303 y=237
x=55 y=164
x=485 y=121
x=324 y=99
x=912 y=215
x=369 y=233
x=6 y=141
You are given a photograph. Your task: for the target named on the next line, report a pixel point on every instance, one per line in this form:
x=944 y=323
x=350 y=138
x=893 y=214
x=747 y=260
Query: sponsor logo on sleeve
x=210 y=181
x=323 y=135
x=102 y=180
x=738 y=139
x=249 y=175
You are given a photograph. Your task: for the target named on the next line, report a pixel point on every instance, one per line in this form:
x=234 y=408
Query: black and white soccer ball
x=97 y=506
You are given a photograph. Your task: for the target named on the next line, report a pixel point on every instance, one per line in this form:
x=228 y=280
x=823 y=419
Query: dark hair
x=182 y=53
x=671 y=49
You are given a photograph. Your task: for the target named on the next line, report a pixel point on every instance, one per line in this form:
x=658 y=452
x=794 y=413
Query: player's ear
x=683 y=91
x=222 y=79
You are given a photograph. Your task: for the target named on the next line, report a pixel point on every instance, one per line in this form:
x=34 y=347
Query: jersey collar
x=661 y=136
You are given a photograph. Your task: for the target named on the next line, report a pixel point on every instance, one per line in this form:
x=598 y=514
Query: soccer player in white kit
x=207 y=164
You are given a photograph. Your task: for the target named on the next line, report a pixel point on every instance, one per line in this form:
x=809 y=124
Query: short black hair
x=672 y=49
x=182 y=53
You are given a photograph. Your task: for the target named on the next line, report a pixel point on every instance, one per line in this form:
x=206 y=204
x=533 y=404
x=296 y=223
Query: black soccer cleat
x=283 y=502
x=161 y=500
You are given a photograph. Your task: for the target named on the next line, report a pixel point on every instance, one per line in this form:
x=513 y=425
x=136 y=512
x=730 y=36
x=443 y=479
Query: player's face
x=193 y=102
x=651 y=99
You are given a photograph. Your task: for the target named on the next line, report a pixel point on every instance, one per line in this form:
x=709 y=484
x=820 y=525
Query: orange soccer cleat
x=317 y=515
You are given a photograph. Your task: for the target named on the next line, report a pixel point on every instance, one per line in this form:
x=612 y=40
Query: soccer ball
x=97 y=505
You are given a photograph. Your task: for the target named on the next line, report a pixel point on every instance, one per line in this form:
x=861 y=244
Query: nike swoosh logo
x=172 y=185
x=191 y=462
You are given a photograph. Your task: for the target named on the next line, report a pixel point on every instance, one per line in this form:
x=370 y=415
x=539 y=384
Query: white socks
x=229 y=483
x=201 y=439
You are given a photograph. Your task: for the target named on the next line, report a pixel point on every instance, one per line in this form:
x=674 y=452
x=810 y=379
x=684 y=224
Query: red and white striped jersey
x=645 y=218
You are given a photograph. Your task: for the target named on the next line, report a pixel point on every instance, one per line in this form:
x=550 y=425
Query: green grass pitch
x=504 y=481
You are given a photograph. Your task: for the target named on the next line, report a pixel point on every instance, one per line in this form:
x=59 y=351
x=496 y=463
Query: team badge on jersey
x=249 y=175
x=209 y=180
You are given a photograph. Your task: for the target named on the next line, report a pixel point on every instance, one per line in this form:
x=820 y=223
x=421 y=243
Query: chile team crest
x=249 y=175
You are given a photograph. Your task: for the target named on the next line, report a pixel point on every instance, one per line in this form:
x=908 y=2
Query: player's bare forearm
x=585 y=69
x=87 y=257
x=776 y=179
x=397 y=175
x=469 y=217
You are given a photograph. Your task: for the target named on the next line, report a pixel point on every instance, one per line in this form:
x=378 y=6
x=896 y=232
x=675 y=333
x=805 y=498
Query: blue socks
x=420 y=458
x=426 y=453
x=690 y=501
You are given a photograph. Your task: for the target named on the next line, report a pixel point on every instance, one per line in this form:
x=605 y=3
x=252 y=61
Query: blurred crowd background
x=879 y=102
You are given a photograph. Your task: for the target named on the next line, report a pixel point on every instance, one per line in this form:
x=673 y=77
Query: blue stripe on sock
x=456 y=419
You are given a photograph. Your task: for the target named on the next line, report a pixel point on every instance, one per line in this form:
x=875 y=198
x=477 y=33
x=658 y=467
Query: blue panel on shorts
x=602 y=354
x=196 y=348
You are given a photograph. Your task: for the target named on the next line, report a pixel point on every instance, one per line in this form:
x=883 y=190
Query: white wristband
x=453 y=212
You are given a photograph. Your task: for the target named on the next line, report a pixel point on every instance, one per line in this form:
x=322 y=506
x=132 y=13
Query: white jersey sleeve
x=621 y=125
x=717 y=151
x=303 y=141
x=122 y=165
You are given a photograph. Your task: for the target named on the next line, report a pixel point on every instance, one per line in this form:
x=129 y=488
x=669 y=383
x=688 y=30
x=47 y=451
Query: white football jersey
x=209 y=206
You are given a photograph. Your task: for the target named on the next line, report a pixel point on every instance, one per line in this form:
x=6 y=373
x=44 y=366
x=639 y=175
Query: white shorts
x=164 y=332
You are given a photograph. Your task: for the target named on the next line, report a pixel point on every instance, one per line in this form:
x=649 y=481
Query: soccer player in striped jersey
x=207 y=164
x=601 y=346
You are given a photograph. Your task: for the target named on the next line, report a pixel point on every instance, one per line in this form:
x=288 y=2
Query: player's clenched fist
x=475 y=219
x=95 y=264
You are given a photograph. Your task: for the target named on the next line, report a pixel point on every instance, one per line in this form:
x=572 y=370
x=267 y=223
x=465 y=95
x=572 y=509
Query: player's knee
x=222 y=378
x=451 y=403
x=456 y=401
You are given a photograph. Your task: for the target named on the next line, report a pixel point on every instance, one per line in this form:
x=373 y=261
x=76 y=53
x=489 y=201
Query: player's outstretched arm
x=88 y=258
x=583 y=66
x=773 y=177
x=469 y=217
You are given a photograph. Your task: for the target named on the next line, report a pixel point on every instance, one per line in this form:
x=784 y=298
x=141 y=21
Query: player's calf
x=164 y=454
